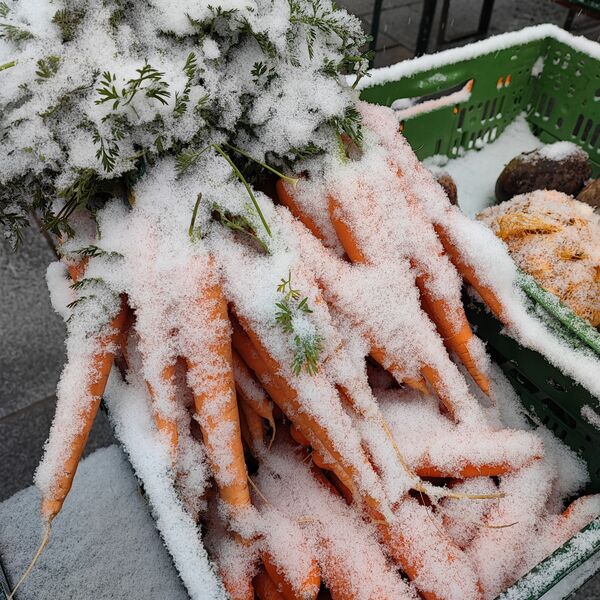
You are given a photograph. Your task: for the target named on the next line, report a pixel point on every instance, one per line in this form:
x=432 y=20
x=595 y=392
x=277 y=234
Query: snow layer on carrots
x=409 y=68
x=475 y=173
x=104 y=544
x=128 y=404
x=345 y=545
x=486 y=254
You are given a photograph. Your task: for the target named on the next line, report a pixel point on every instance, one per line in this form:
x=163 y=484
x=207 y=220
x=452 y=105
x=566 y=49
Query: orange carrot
x=433 y=546
x=244 y=382
x=310 y=584
x=266 y=369
x=254 y=424
x=167 y=425
x=264 y=587
x=298 y=437
x=467 y=471
x=468 y=273
x=220 y=387
x=399 y=374
x=456 y=334
x=102 y=363
x=288 y=200
x=77 y=270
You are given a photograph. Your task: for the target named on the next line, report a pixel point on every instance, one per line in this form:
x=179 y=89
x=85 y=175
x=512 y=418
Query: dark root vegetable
x=544 y=169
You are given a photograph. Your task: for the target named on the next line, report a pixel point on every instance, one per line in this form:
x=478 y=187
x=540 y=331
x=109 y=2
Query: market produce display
x=257 y=262
x=556 y=240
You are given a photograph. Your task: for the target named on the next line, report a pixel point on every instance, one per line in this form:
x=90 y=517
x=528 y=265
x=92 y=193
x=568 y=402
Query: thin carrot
x=250 y=392
x=264 y=587
x=220 y=388
x=255 y=428
x=102 y=364
x=456 y=334
x=166 y=425
x=467 y=471
x=309 y=587
x=468 y=273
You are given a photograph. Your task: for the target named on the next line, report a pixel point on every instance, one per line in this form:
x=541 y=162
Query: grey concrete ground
x=31 y=334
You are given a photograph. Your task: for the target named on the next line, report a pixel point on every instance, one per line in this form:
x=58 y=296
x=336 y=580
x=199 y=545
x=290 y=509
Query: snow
x=590 y=415
x=538 y=67
x=409 y=68
x=104 y=544
x=477 y=192
x=366 y=275
x=406 y=112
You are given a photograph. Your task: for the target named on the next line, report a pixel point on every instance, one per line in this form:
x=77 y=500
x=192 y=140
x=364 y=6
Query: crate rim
x=503 y=41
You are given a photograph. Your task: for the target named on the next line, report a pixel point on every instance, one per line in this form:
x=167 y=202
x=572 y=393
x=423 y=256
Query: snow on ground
x=104 y=544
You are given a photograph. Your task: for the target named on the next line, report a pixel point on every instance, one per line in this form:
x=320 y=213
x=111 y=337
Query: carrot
x=467 y=471
x=288 y=200
x=345 y=235
x=456 y=334
x=310 y=584
x=399 y=374
x=298 y=437
x=468 y=273
x=355 y=253
x=219 y=389
x=77 y=270
x=102 y=364
x=420 y=552
x=254 y=425
x=266 y=369
x=247 y=343
x=264 y=587
x=249 y=391
x=167 y=426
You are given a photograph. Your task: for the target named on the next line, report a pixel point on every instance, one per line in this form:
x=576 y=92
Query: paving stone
x=32 y=347
x=22 y=437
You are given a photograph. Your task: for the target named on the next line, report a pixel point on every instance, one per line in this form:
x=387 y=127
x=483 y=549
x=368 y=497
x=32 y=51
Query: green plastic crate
x=562 y=103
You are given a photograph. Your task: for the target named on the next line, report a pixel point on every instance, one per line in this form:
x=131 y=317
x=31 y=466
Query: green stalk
x=580 y=327
x=292 y=180
x=194 y=214
x=246 y=185
x=8 y=65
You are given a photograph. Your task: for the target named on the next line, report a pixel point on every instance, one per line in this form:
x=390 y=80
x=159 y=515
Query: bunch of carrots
x=375 y=238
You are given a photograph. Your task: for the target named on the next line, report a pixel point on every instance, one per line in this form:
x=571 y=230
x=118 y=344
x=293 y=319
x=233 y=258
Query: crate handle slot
x=407 y=108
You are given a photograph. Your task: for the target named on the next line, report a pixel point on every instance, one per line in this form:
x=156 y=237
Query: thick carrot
x=265 y=588
x=288 y=200
x=102 y=364
x=167 y=426
x=217 y=386
x=309 y=587
x=468 y=273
